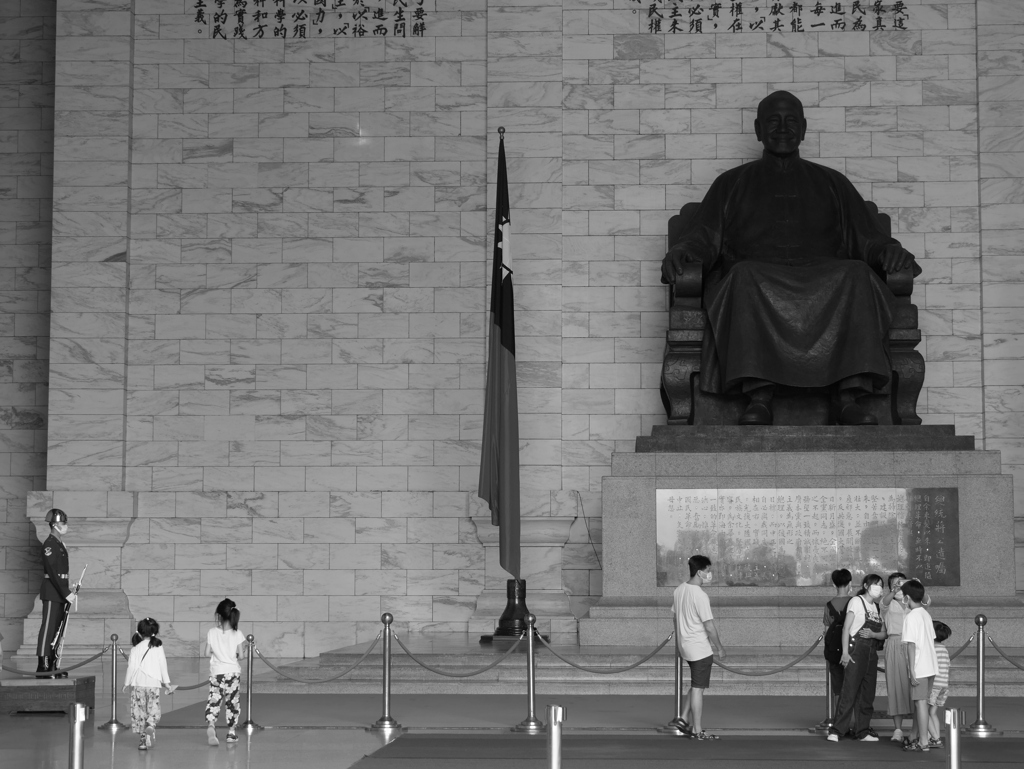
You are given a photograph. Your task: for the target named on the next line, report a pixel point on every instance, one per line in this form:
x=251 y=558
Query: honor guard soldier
x=56 y=594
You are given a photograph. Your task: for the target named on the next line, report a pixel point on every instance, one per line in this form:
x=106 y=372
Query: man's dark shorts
x=700 y=672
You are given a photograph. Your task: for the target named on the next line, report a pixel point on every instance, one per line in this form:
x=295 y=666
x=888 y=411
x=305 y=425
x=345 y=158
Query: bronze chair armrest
x=901 y=283
x=689 y=284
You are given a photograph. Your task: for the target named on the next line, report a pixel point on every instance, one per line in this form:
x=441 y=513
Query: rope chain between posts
x=607 y=671
x=960 y=651
x=1003 y=654
x=122 y=653
x=53 y=673
x=773 y=671
x=484 y=669
x=336 y=676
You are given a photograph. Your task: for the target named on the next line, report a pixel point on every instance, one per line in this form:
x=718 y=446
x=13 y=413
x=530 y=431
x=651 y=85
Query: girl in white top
x=223 y=642
x=147 y=671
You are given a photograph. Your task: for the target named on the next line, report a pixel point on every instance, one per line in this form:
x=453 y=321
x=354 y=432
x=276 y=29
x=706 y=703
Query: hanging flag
x=499 y=461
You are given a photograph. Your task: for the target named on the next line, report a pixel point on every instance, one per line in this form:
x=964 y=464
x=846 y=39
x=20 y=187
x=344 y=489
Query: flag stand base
x=512 y=622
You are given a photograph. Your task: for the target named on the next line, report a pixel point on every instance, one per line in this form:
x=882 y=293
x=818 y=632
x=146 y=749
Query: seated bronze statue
x=793 y=264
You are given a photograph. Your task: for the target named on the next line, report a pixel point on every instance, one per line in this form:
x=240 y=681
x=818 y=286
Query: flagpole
x=487 y=348
x=499 y=466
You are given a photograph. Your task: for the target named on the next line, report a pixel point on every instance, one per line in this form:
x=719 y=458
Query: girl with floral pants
x=224 y=641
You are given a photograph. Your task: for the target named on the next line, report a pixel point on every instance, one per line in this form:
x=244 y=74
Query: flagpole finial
x=501 y=131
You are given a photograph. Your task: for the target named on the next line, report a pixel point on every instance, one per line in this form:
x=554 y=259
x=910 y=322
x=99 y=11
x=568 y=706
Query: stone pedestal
x=634 y=610
x=27 y=695
x=542 y=540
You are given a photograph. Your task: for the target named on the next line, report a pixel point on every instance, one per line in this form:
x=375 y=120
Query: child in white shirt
x=147 y=671
x=922 y=662
x=223 y=642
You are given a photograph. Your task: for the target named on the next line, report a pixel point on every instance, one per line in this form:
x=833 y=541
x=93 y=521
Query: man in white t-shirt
x=922 y=662
x=696 y=631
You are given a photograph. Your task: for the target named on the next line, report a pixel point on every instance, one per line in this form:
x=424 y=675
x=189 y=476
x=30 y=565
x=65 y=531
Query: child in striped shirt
x=940 y=687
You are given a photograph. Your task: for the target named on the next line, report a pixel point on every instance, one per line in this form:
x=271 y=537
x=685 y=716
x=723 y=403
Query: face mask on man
x=707 y=576
x=875 y=591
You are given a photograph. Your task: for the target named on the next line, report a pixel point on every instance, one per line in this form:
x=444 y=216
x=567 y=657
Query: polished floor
x=328 y=731
x=321 y=731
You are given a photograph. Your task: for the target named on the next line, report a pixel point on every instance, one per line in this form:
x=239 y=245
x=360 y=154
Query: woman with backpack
x=835 y=613
x=862 y=631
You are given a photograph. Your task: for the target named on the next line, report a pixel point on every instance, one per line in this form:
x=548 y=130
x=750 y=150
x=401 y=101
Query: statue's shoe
x=757 y=414
x=856 y=416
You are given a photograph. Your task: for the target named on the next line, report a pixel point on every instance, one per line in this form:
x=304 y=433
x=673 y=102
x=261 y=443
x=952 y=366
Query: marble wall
x=27 y=34
x=270 y=265
x=1001 y=189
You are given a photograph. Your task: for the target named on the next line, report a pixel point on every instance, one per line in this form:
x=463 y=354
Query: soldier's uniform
x=55 y=593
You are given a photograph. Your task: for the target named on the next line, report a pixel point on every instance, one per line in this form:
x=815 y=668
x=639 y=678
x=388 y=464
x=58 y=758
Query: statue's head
x=780 y=124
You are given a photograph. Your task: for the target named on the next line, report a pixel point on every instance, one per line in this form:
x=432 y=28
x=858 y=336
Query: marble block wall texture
x=27 y=33
x=266 y=339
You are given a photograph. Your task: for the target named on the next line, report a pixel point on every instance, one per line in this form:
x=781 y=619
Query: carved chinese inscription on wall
x=675 y=17
x=933 y=536
x=795 y=537
x=309 y=19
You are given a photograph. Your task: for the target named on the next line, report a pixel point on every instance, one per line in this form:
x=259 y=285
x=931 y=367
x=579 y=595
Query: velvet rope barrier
x=607 y=671
x=773 y=671
x=53 y=673
x=336 y=676
x=484 y=669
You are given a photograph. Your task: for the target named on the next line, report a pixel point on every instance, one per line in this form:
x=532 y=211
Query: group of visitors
x=916 y=662
x=857 y=627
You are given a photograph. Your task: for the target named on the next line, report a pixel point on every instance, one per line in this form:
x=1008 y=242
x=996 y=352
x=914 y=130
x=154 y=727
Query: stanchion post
x=113 y=724
x=830 y=705
x=76 y=716
x=954 y=718
x=386 y=721
x=556 y=715
x=531 y=724
x=981 y=727
x=249 y=725
x=675 y=726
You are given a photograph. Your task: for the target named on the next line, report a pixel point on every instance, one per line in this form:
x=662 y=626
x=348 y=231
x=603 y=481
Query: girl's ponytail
x=227 y=612
x=148 y=627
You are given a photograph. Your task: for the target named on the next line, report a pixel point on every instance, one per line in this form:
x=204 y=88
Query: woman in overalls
x=861 y=633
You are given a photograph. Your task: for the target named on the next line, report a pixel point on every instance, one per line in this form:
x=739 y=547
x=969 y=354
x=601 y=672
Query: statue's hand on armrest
x=899 y=266
x=673 y=265
x=895 y=258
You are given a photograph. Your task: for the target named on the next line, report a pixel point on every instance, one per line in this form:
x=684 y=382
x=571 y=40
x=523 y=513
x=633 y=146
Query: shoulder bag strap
x=136 y=673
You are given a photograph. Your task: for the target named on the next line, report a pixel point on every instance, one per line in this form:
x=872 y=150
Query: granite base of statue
x=777 y=509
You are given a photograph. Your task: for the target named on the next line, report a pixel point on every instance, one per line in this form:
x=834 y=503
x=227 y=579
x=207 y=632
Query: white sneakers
x=211 y=736
x=868 y=738
x=833 y=737
x=897 y=735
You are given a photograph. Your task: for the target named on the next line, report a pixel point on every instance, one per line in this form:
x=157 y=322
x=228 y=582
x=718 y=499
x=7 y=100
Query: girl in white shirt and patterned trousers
x=223 y=642
x=147 y=672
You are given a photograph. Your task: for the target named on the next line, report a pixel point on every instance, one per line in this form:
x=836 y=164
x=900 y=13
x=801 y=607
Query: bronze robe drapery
x=792 y=292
